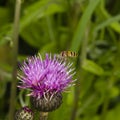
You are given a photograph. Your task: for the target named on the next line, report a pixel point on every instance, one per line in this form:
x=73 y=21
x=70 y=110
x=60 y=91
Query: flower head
x=50 y=75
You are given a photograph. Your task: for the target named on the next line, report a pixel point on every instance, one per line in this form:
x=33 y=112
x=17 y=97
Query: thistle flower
x=45 y=78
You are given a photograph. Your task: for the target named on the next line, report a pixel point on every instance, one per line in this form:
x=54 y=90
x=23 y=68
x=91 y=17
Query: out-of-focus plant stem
x=107 y=97
x=80 y=76
x=50 y=29
x=15 y=53
x=111 y=82
x=5 y=74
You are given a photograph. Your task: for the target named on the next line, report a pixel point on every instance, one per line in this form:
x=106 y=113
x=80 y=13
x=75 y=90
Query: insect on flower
x=68 y=54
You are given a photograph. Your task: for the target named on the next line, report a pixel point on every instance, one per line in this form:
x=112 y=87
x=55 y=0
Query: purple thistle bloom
x=50 y=75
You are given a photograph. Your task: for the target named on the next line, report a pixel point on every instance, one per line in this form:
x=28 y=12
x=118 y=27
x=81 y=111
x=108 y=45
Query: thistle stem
x=43 y=115
x=15 y=53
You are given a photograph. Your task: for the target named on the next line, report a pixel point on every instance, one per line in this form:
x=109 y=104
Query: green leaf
x=40 y=9
x=36 y=34
x=77 y=39
x=6 y=34
x=92 y=67
x=112 y=22
x=30 y=22
x=114 y=92
x=34 y=12
x=114 y=25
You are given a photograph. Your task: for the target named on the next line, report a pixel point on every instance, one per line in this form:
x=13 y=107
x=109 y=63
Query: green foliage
x=110 y=22
x=40 y=9
x=89 y=27
x=92 y=67
x=83 y=24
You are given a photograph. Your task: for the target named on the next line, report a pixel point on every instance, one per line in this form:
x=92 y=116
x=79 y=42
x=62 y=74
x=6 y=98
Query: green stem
x=40 y=115
x=15 y=53
x=80 y=76
x=43 y=115
x=107 y=94
x=105 y=108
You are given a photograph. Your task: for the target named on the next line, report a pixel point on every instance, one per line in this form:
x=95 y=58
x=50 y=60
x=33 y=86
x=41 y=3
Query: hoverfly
x=68 y=54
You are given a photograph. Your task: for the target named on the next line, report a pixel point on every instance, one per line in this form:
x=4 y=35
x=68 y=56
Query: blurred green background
x=88 y=27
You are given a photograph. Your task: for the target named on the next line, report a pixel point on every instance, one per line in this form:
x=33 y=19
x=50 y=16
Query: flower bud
x=24 y=113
